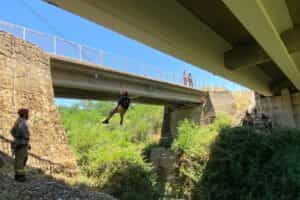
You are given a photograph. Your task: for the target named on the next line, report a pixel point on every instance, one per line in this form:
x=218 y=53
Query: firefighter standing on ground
x=20 y=145
x=122 y=107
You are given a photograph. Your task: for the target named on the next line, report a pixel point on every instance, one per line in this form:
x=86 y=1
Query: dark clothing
x=248 y=120
x=21 y=157
x=21 y=135
x=124 y=101
x=20 y=132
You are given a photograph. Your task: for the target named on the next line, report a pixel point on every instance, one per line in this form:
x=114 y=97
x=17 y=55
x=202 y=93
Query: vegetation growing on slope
x=247 y=165
x=112 y=154
x=192 y=148
x=222 y=163
x=213 y=162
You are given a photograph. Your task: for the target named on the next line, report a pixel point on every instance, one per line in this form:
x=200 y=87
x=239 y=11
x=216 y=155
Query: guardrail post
x=174 y=79
x=54 y=44
x=80 y=52
x=101 y=57
x=24 y=33
x=145 y=70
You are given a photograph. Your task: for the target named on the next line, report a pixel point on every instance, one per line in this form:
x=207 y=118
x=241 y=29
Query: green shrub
x=110 y=154
x=213 y=162
x=129 y=180
x=247 y=165
x=192 y=147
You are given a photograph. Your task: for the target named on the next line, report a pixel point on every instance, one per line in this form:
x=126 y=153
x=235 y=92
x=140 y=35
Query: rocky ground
x=40 y=186
x=43 y=189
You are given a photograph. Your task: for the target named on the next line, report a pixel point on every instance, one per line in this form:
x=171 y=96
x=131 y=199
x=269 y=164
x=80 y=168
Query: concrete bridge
x=82 y=80
x=32 y=78
x=253 y=42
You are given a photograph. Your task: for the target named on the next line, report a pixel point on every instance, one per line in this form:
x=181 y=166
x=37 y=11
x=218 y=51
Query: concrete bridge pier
x=203 y=113
x=173 y=115
x=283 y=109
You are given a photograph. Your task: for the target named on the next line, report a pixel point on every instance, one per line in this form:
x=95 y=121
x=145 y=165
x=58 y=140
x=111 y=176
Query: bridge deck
x=75 y=79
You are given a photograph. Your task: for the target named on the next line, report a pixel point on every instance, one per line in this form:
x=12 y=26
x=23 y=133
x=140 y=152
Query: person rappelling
x=122 y=107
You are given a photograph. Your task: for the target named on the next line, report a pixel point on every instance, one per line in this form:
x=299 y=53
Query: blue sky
x=42 y=17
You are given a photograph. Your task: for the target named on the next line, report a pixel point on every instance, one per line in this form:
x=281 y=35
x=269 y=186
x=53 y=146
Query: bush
x=112 y=155
x=127 y=180
x=192 y=147
x=248 y=165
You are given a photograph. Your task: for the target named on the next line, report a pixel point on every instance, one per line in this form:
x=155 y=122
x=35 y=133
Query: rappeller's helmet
x=125 y=93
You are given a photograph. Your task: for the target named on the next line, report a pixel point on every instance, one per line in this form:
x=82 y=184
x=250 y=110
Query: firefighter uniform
x=20 y=145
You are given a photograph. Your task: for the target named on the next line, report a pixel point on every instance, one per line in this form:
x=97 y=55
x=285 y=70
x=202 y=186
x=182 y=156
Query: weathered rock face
x=25 y=81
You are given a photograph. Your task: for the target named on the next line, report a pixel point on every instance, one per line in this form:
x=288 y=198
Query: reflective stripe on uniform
x=120 y=109
x=20 y=171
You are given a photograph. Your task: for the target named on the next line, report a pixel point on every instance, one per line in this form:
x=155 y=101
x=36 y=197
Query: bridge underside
x=79 y=80
x=254 y=43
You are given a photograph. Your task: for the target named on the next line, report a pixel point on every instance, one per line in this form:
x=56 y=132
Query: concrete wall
x=284 y=110
x=296 y=108
x=213 y=103
x=173 y=115
x=25 y=81
x=217 y=102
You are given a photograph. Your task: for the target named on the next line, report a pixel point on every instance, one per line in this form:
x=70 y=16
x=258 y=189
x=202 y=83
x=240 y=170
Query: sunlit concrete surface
x=252 y=42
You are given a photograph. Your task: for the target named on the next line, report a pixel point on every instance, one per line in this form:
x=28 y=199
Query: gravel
x=43 y=189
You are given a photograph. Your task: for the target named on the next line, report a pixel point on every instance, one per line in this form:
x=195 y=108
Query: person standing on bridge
x=190 y=79
x=185 y=78
x=20 y=145
x=122 y=107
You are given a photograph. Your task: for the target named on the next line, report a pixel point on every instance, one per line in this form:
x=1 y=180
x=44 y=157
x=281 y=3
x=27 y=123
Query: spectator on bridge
x=122 y=107
x=20 y=145
x=190 y=79
x=185 y=78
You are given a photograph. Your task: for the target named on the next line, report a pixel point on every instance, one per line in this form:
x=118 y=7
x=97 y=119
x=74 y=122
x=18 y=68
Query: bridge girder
x=244 y=41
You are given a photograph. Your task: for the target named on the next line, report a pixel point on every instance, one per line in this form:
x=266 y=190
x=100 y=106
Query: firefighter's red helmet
x=23 y=112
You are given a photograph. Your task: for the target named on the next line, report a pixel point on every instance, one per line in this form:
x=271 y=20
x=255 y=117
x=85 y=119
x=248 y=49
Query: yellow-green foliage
x=192 y=147
x=213 y=162
x=111 y=153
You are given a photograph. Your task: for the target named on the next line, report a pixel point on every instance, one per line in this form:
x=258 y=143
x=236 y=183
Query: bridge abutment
x=172 y=116
x=284 y=110
x=204 y=113
x=25 y=81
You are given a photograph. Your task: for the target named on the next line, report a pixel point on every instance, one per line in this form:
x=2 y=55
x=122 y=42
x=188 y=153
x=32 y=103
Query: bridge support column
x=172 y=116
x=204 y=113
x=284 y=109
x=25 y=81
x=287 y=109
